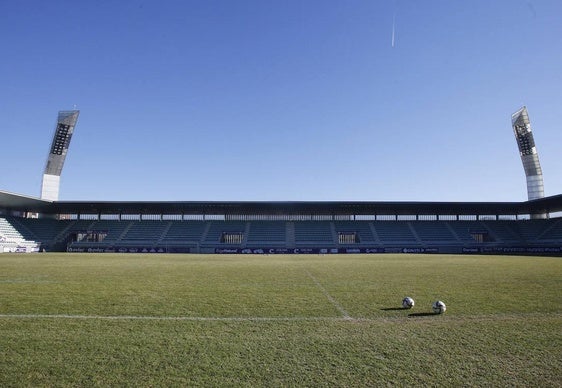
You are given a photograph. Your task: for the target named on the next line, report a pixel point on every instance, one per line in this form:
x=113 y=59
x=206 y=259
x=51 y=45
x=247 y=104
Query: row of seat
x=276 y=233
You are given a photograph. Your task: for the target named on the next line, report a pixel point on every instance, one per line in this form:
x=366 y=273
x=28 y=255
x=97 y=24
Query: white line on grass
x=425 y=318
x=338 y=306
x=166 y=318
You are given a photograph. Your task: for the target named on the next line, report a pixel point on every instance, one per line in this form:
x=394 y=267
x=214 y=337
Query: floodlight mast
x=529 y=156
x=57 y=154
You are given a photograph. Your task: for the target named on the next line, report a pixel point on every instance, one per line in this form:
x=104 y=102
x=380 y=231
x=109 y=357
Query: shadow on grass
x=394 y=308
x=413 y=315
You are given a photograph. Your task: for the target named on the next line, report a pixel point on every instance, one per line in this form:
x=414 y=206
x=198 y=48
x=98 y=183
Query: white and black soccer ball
x=408 y=302
x=439 y=307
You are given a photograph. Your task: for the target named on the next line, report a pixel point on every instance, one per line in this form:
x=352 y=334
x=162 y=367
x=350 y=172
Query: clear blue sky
x=281 y=100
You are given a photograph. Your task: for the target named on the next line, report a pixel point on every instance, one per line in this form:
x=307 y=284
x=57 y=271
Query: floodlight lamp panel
x=61 y=141
x=523 y=133
x=526 y=145
x=528 y=153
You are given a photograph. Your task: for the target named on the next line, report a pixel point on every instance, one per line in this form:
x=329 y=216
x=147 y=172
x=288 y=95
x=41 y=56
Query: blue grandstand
x=256 y=227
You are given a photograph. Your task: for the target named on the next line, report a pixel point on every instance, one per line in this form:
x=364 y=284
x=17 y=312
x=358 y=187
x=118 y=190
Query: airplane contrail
x=393 y=27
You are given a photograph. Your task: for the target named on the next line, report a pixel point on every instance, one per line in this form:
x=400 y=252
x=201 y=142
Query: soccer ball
x=407 y=302
x=439 y=307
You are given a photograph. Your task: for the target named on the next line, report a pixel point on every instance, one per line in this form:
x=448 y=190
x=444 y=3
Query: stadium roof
x=10 y=202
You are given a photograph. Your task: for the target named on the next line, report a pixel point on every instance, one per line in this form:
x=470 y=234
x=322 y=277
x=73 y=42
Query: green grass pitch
x=279 y=320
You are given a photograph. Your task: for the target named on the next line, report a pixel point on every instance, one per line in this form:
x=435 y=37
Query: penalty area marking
x=334 y=302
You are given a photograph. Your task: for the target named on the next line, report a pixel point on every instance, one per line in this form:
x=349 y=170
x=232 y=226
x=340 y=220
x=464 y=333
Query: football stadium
x=47 y=224
x=113 y=293
x=280 y=194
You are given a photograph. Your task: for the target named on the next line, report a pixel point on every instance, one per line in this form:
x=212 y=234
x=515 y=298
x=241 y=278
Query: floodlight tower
x=57 y=154
x=529 y=155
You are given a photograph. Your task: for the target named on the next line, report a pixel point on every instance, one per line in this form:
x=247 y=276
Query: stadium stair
x=291 y=242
